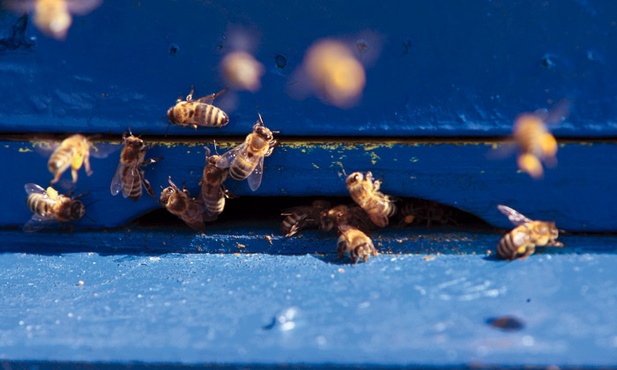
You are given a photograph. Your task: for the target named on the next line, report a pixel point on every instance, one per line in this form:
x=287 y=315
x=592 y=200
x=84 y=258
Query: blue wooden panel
x=62 y=303
x=457 y=174
x=446 y=68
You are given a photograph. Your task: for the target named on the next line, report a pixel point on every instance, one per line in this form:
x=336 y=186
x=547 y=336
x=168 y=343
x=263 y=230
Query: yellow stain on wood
x=25 y=150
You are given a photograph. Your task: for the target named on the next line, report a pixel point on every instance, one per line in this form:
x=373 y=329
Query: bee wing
x=38 y=222
x=514 y=216
x=227 y=158
x=34 y=189
x=254 y=179
x=194 y=216
x=116 y=182
x=556 y=114
x=81 y=7
x=102 y=149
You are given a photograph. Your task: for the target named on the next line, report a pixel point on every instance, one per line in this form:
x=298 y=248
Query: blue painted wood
x=79 y=299
x=457 y=174
x=443 y=69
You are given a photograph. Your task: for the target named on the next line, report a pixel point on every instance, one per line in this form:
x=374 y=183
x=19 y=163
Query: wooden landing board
x=86 y=298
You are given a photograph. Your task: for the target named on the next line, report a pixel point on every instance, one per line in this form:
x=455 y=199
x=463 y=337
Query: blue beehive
x=443 y=84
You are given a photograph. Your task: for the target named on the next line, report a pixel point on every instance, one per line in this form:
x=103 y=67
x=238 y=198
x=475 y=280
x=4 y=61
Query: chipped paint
x=25 y=150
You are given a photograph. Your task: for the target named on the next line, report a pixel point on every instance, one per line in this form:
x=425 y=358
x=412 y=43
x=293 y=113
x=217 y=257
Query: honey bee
x=247 y=159
x=73 y=152
x=303 y=217
x=521 y=242
x=352 y=215
x=48 y=207
x=129 y=176
x=356 y=243
x=180 y=203
x=198 y=112
x=213 y=192
x=365 y=192
x=53 y=17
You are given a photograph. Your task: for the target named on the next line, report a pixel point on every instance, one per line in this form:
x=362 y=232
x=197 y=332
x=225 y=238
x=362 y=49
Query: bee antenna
x=167 y=129
x=261 y=120
x=562 y=231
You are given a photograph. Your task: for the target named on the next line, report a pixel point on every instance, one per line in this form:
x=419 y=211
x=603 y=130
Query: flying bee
x=129 y=176
x=213 y=192
x=531 y=135
x=180 y=203
x=49 y=207
x=198 y=112
x=53 y=17
x=303 y=217
x=521 y=242
x=247 y=159
x=73 y=152
x=365 y=192
x=351 y=215
x=356 y=243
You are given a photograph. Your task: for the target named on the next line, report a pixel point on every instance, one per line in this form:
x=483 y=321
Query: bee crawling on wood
x=303 y=217
x=365 y=192
x=247 y=159
x=129 y=176
x=356 y=243
x=50 y=207
x=180 y=203
x=200 y=112
x=213 y=192
x=521 y=242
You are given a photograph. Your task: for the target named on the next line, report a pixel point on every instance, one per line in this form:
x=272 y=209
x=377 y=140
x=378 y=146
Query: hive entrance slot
x=266 y=212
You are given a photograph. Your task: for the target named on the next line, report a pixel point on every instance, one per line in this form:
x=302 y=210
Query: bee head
x=554 y=230
x=170 y=115
x=134 y=142
x=264 y=133
x=166 y=194
x=77 y=210
x=354 y=178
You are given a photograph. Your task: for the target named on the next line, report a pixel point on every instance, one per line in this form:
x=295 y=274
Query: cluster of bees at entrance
x=371 y=208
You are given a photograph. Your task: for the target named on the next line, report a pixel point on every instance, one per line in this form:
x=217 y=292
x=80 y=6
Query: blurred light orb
x=334 y=73
x=242 y=71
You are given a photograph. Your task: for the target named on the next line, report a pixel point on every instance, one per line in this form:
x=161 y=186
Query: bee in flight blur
x=129 y=176
x=521 y=242
x=73 y=152
x=356 y=243
x=53 y=17
x=247 y=159
x=536 y=144
x=365 y=192
x=50 y=207
x=213 y=192
x=303 y=217
x=198 y=112
x=180 y=203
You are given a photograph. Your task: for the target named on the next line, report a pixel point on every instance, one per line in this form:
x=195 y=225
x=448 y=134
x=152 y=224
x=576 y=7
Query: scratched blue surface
x=306 y=308
x=443 y=69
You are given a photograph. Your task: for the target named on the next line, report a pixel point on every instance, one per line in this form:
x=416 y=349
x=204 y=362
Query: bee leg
x=148 y=187
x=87 y=166
x=74 y=175
x=56 y=178
x=189 y=97
x=528 y=252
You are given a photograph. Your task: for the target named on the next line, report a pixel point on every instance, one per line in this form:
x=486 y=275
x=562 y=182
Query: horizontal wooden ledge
x=577 y=194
